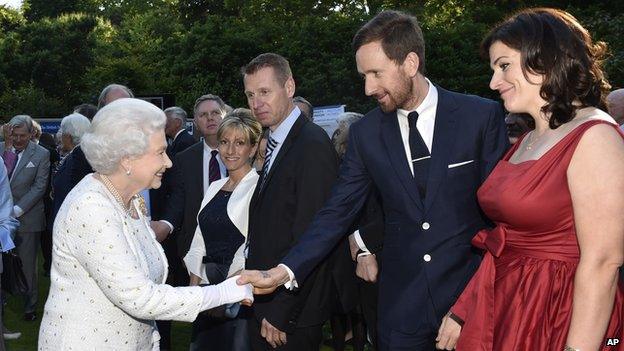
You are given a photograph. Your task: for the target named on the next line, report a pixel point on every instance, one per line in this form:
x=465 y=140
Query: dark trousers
x=46 y=248
x=214 y=334
x=27 y=244
x=368 y=301
x=423 y=339
x=177 y=277
x=302 y=339
x=2 y=348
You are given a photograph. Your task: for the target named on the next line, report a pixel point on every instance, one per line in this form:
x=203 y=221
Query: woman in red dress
x=549 y=276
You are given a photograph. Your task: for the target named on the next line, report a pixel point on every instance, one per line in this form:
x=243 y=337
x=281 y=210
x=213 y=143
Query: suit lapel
x=27 y=155
x=443 y=142
x=288 y=143
x=391 y=136
x=198 y=169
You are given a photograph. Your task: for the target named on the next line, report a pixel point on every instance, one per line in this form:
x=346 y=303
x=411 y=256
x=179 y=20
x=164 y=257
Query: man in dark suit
x=175 y=130
x=179 y=140
x=188 y=179
x=295 y=180
x=74 y=166
x=427 y=150
x=47 y=141
x=192 y=172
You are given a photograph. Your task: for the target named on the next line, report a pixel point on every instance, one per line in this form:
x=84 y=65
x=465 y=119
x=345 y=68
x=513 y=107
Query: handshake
x=264 y=282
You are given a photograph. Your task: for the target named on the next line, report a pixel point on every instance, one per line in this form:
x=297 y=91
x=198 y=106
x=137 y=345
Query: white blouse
x=107 y=278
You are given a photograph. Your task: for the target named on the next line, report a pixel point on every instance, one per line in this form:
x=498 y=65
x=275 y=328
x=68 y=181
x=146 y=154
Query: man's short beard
x=402 y=96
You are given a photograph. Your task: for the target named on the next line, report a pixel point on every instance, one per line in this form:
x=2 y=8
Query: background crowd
x=211 y=184
x=191 y=47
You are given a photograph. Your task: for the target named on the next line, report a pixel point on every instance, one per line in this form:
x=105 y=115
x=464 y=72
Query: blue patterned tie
x=271 y=144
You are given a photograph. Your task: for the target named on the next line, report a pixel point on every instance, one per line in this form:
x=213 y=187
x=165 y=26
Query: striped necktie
x=271 y=144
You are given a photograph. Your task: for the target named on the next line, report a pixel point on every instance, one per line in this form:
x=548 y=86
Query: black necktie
x=420 y=155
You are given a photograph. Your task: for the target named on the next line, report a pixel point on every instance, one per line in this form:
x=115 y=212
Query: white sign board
x=327 y=117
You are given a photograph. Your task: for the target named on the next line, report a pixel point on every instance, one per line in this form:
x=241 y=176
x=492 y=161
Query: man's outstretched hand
x=264 y=282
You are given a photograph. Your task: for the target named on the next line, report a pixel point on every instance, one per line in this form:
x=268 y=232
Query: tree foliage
x=57 y=54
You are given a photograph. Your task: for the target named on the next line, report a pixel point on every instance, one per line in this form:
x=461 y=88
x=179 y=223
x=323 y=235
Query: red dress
x=520 y=298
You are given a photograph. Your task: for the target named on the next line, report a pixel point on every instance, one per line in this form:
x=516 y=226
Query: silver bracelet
x=568 y=348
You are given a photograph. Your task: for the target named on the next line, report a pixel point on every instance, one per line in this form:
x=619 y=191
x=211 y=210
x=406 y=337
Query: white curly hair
x=121 y=129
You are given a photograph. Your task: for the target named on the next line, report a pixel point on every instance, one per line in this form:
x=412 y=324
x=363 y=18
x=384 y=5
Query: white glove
x=226 y=292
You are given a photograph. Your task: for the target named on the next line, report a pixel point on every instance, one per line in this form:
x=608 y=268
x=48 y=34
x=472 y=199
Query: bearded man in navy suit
x=427 y=150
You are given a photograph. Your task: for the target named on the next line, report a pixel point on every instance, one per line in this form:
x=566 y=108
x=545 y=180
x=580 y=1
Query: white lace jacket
x=107 y=278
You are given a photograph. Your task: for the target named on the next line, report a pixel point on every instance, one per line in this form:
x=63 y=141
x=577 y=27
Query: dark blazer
x=371 y=222
x=71 y=171
x=427 y=257
x=48 y=203
x=181 y=143
x=187 y=192
x=297 y=185
x=370 y=225
x=159 y=197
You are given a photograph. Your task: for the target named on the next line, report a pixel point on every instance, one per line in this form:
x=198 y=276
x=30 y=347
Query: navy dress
x=212 y=330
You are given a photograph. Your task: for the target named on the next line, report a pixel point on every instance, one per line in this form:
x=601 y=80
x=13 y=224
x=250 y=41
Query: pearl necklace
x=111 y=188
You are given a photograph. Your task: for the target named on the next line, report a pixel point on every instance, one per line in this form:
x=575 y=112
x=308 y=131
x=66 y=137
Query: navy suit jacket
x=159 y=197
x=185 y=197
x=427 y=257
x=71 y=171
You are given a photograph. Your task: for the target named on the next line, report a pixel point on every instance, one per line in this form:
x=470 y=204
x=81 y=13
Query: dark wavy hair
x=552 y=43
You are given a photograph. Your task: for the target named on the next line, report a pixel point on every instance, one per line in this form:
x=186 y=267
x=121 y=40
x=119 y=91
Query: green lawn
x=13 y=319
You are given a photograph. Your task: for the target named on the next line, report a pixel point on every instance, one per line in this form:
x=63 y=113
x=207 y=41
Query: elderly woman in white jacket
x=217 y=248
x=108 y=271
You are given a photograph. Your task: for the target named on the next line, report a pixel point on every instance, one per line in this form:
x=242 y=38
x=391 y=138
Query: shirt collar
x=281 y=132
x=428 y=103
x=207 y=148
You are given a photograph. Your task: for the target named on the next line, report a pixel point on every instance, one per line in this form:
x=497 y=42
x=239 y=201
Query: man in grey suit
x=28 y=169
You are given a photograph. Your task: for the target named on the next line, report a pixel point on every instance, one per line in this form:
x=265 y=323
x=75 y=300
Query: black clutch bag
x=13 y=278
x=216 y=273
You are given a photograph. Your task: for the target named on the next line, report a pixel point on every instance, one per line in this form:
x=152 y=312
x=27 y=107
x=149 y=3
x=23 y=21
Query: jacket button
x=427 y=257
x=426 y=225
